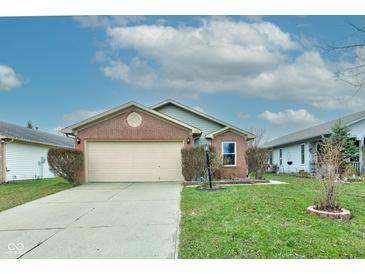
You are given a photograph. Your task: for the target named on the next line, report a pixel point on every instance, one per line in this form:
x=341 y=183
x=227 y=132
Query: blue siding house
x=297 y=151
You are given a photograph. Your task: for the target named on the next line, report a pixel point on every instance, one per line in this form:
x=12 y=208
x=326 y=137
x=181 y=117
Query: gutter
x=3 y=139
x=294 y=142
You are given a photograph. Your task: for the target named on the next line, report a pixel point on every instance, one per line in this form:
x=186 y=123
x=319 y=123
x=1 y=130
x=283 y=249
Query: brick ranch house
x=136 y=143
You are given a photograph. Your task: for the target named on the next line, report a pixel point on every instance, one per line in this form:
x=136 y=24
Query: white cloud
x=242 y=116
x=9 y=79
x=137 y=72
x=290 y=118
x=100 y=21
x=80 y=115
x=224 y=56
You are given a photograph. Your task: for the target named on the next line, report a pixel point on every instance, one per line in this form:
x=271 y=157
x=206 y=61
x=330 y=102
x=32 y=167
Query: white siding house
x=23 y=152
x=296 y=151
x=294 y=157
x=26 y=161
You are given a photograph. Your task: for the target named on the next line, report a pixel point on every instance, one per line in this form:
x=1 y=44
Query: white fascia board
x=71 y=129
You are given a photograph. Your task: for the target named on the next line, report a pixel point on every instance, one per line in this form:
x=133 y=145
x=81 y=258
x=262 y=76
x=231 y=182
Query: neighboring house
x=23 y=152
x=137 y=143
x=297 y=151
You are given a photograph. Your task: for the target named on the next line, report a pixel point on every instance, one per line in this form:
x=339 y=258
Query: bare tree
x=351 y=73
x=256 y=155
x=260 y=139
x=330 y=160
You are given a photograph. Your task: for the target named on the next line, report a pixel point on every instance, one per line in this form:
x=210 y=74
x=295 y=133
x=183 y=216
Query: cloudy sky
x=255 y=72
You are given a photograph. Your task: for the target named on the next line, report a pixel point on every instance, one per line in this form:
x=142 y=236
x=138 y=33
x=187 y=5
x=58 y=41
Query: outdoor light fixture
x=78 y=140
x=208 y=165
x=188 y=140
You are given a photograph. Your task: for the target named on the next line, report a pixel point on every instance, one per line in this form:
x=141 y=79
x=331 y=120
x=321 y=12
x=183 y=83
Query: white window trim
x=235 y=153
x=271 y=157
x=303 y=144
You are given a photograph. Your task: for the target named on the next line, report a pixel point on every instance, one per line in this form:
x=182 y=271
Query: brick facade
x=116 y=128
x=240 y=170
x=2 y=161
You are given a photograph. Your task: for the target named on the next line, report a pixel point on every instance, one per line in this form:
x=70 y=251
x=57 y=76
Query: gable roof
x=315 y=131
x=72 y=128
x=25 y=134
x=206 y=116
x=211 y=135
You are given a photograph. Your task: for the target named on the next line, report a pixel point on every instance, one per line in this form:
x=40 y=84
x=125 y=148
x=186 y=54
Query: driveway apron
x=95 y=220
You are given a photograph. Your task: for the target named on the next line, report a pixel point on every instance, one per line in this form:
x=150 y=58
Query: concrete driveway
x=96 y=220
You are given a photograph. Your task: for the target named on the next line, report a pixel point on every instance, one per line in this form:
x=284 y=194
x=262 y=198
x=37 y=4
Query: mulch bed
x=230 y=182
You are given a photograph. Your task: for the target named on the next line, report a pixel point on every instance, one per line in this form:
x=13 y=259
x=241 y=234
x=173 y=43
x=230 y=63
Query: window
x=270 y=157
x=281 y=156
x=302 y=153
x=229 y=153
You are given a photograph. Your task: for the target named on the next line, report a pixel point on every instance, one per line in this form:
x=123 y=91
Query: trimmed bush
x=66 y=163
x=194 y=163
x=257 y=161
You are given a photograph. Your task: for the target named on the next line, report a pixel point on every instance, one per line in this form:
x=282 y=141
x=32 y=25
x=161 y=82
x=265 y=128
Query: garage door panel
x=134 y=161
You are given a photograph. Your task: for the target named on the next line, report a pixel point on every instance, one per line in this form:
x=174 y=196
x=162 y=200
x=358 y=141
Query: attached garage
x=132 y=143
x=133 y=161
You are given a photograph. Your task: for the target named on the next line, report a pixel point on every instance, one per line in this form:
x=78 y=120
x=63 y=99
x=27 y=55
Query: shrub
x=194 y=163
x=216 y=164
x=257 y=161
x=336 y=152
x=274 y=168
x=349 y=171
x=331 y=160
x=192 y=160
x=65 y=163
x=363 y=160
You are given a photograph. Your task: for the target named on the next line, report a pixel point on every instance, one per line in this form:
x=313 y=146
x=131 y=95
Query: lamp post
x=208 y=165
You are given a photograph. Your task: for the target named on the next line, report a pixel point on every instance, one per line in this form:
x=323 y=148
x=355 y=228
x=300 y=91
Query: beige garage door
x=133 y=161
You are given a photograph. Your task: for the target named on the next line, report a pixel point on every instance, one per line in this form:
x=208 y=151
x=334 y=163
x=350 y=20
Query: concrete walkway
x=98 y=220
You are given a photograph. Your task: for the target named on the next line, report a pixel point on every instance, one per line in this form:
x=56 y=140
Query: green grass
x=270 y=221
x=20 y=192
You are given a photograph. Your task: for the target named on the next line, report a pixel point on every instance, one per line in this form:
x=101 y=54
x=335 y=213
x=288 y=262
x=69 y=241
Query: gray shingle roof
x=32 y=135
x=315 y=131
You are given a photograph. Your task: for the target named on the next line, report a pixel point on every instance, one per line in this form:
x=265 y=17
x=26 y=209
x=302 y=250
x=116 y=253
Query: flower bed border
x=230 y=182
x=343 y=215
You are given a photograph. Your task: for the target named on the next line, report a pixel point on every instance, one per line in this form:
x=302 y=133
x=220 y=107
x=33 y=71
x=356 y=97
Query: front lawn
x=16 y=193
x=269 y=221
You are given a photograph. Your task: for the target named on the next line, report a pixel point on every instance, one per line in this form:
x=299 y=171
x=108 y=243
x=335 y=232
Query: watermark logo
x=15 y=247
